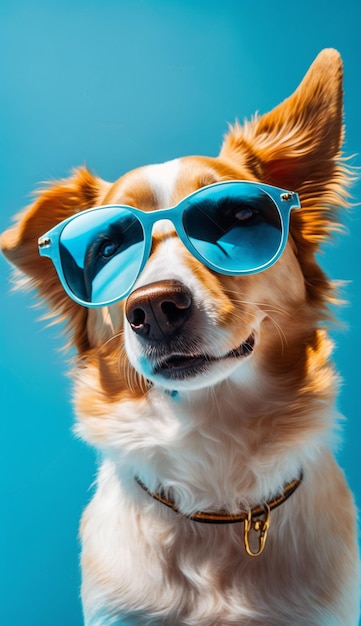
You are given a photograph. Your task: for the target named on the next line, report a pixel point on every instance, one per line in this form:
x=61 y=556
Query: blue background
x=118 y=84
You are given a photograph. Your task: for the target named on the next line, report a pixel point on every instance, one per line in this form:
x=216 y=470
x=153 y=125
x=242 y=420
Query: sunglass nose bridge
x=162 y=227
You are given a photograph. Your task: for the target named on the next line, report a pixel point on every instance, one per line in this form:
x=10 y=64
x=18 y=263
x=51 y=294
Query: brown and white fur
x=233 y=435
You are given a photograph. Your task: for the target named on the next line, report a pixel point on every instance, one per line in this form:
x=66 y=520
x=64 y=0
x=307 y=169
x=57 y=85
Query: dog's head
x=182 y=324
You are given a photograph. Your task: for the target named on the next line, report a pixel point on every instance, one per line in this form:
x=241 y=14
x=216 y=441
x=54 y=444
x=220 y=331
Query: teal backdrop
x=116 y=84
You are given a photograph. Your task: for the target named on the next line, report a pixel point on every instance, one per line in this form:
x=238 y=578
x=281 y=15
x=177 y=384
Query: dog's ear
x=20 y=243
x=297 y=146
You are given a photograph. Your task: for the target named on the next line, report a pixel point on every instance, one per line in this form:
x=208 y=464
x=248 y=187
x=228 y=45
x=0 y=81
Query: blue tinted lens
x=101 y=253
x=236 y=228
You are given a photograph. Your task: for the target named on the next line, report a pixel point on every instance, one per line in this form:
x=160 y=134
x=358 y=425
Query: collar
x=257 y=518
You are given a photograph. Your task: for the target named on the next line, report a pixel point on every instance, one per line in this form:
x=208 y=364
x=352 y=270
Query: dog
x=193 y=295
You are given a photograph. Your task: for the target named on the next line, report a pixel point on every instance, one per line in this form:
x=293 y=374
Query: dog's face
x=184 y=325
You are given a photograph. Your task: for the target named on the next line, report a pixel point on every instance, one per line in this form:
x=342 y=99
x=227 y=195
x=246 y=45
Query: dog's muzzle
x=164 y=317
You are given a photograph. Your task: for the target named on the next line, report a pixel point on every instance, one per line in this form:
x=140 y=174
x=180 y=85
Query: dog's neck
x=222 y=517
x=256 y=520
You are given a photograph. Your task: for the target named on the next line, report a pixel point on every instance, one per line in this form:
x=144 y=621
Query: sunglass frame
x=283 y=199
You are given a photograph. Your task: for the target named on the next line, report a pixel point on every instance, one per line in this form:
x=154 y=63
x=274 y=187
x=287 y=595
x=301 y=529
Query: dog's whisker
x=134 y=380
x=280 y=332
x=239 y=301
x=118 y=335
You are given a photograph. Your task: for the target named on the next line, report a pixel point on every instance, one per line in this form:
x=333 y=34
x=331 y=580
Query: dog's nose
x=157 y=311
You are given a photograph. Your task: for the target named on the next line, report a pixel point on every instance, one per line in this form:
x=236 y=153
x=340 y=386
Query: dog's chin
x=182 y=371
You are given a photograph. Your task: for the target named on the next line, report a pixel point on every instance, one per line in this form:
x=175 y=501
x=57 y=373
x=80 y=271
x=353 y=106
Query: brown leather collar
x=222 y=517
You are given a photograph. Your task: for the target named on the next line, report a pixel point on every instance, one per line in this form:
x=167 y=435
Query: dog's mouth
x=180 y=366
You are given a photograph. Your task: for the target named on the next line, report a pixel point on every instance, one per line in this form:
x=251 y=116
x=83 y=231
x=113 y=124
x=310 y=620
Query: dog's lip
x=185 y=364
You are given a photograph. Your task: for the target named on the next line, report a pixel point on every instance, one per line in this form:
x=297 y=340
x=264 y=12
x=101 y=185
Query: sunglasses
x=233 y=227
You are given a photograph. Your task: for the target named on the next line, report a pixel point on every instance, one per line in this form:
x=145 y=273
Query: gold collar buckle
x=259 y=526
